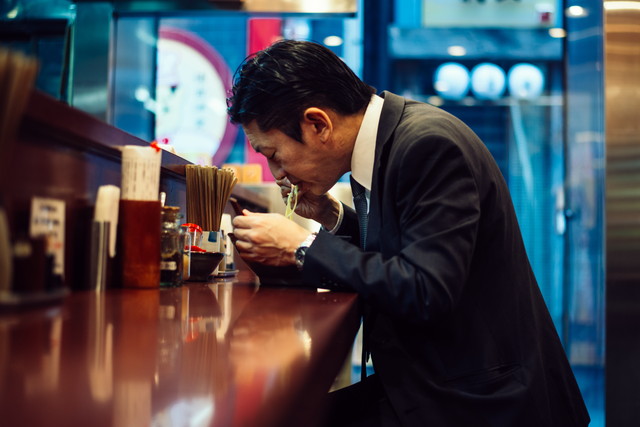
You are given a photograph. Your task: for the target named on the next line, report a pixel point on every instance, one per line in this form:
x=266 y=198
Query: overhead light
x=142 y=94
x=621 y=5
x=557 y=33
x=576 y=11
x=333 y=41
x=13 y=13
x=457 y=50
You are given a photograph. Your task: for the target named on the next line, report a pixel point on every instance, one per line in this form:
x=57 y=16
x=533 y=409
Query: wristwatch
x=301 y=251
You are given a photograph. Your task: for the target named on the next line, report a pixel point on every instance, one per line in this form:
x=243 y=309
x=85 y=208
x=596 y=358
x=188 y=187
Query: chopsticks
x=17 y=77
x=208 y=190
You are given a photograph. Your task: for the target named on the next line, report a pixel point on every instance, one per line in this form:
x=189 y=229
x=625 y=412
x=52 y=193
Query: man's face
x=311 y=164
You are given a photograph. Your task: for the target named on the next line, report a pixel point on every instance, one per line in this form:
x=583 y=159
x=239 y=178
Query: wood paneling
x=63 y=153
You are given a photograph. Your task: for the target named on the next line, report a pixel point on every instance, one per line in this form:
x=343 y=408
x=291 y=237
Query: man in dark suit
x=453 y=318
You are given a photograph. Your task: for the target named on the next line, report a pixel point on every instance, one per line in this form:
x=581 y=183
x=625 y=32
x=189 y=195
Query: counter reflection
x=222 y=354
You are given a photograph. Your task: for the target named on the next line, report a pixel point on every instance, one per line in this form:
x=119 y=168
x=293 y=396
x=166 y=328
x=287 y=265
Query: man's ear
x=317 y=122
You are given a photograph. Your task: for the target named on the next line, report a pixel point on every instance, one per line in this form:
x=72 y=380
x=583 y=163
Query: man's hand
x=323 y=209
x=269 y=239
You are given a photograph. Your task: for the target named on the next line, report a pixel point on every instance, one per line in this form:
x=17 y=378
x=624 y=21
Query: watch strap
x=301 y=251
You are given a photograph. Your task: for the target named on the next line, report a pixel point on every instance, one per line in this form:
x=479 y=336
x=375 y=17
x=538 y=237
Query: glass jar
x=171 y=247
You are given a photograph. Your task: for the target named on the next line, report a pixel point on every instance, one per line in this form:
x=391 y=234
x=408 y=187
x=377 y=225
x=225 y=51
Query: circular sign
x=525 y=81
x=451 y=81
x=191 y=89
x=488 y=81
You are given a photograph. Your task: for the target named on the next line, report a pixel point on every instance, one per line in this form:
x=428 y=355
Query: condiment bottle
x=171 y=247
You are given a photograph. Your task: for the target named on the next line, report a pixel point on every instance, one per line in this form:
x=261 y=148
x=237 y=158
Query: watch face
x=191 y=90
x=300 y=253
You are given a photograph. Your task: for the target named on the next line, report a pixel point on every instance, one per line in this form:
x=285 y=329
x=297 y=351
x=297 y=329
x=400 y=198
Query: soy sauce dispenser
x=171 y=247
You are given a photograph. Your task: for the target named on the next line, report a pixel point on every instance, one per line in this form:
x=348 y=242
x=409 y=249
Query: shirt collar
x=364 y=148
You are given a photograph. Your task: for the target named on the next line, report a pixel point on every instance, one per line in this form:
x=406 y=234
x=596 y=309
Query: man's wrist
x=331 y=216
x=301 y=251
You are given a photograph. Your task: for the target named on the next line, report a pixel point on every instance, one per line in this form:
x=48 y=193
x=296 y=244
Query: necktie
x=360 y=202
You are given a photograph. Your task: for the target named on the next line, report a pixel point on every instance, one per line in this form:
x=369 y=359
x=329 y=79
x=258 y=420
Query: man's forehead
x=260 y=140
x=254 y=144
x=250 y=131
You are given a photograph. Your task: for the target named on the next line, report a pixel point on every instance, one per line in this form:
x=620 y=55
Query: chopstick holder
x=103 y=236
x=106 y=211
x=98 y=267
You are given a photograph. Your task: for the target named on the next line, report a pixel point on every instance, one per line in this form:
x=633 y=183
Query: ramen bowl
x=204 y=264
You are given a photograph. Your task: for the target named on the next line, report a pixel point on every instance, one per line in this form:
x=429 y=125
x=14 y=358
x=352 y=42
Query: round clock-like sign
x=488 y=81
x=451 y=81
x=191 y=90
x=526 y=81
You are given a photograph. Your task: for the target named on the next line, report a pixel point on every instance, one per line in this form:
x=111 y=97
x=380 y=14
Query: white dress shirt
x=364 y=150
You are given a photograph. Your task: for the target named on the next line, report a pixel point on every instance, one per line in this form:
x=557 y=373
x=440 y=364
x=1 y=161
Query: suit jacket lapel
x=389 y=119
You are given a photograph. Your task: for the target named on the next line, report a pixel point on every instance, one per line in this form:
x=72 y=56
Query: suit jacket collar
x=389 y=119
x=391 y=114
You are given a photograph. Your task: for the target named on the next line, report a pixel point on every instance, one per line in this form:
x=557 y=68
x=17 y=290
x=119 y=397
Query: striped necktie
x=360 y=202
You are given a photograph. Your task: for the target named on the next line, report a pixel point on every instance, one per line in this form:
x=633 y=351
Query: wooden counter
x=227 y=353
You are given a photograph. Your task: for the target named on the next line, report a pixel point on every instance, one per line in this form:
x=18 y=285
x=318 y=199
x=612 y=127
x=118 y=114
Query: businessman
x=455 y=324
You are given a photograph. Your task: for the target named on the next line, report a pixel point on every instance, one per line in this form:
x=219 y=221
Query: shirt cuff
x=309 y=240
x=338 y=223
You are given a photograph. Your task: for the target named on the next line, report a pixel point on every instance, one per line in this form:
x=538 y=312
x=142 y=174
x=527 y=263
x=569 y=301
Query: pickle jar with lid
x=171 y=247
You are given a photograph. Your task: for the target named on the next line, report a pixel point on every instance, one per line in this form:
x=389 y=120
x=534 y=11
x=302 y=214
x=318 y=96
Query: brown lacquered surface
x=221 y=354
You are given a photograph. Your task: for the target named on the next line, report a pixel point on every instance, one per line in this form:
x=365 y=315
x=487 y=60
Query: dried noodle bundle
x=208 y=190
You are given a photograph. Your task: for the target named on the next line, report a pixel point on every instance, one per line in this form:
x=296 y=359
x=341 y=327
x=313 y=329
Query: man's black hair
x=276 y=85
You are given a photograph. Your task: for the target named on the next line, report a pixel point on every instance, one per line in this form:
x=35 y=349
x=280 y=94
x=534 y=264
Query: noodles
x=292 y=202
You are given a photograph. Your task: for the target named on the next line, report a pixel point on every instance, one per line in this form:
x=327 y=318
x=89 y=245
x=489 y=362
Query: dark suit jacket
x=460 y=334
